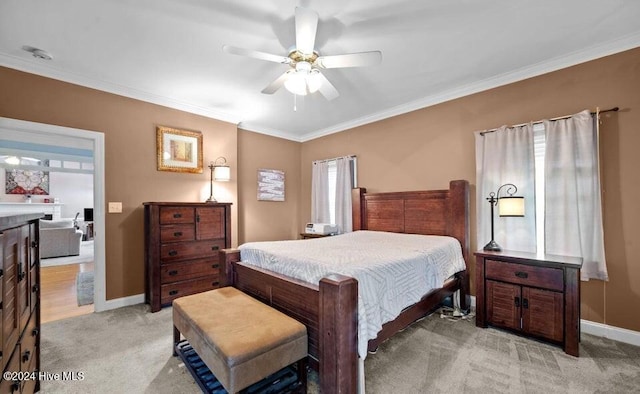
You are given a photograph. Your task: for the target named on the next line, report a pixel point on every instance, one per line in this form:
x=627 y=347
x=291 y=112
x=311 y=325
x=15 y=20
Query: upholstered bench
x=240 y=339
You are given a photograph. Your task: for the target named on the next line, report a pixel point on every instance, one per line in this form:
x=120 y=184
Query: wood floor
x=58 y=296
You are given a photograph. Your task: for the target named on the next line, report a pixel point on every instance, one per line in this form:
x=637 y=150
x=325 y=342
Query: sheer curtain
x=506 y=156
x=573 y=210
x=320 y=192
x=344 y=184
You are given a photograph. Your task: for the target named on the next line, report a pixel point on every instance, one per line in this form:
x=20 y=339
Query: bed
x=330 y=308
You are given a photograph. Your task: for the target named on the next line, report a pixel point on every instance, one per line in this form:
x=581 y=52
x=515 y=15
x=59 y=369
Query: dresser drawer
x=177 y=232
x=171 y=291
x=543 y=277
x=175 y=215
x=192 y=269
x=190 y=250
x=28 y=344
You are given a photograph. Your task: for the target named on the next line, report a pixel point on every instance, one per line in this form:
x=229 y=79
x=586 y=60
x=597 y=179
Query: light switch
x=115 y=207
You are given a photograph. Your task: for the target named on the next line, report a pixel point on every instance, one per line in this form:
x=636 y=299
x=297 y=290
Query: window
x=554 y=164
x=331 y=184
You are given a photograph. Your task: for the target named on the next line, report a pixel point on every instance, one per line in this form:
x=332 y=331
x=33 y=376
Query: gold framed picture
x=179 y=150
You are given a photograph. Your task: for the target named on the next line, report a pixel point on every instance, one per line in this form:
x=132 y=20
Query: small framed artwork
x=27 y=182
x=179 y=150
x=270 y=185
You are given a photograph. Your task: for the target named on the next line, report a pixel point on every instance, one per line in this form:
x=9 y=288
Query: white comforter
x=393 y=270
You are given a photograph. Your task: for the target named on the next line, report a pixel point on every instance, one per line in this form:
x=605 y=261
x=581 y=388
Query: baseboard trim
x=611 y=332
x=121 y=302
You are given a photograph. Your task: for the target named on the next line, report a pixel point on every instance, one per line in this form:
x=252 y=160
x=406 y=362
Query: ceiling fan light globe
x=296 y=83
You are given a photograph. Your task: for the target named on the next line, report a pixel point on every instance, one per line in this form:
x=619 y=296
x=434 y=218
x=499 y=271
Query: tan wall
x=130 y=155
x=267 y=220
x=425 y=149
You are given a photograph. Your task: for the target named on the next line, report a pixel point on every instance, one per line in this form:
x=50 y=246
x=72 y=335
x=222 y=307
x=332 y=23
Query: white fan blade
x=277 y=84
x=306 y=26
x=327 y=89
x=256 y=54
x=361 y=59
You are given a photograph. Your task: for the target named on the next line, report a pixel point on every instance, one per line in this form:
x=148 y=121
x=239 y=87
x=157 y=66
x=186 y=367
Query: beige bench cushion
x=241 y=340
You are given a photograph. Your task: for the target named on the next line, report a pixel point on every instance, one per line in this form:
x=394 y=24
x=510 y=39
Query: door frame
x=97 y=140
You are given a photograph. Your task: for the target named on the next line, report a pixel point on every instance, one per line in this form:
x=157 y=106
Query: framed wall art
x=270 y=185
x=27 y=182
x=179 y=150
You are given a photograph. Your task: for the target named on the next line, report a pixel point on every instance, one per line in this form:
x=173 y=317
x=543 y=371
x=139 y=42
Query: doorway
x=45 y=134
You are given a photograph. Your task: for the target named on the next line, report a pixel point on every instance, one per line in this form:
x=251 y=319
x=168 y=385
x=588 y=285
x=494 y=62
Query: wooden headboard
x=429 y=212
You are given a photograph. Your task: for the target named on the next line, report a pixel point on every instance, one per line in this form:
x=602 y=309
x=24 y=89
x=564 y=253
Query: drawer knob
x=215 y=283
x=35 y=288
x=177 y=215
x=35 y=332
x=216 y=247
x=173 y=252
x=173 y=272
x=25 y=356
x=517 y=302
x=215 y=266
x=173 y=292
x=525 y=303
x=177 y=234
x=522 y=275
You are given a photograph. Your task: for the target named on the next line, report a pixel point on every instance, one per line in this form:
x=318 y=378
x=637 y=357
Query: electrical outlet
x=115 y=207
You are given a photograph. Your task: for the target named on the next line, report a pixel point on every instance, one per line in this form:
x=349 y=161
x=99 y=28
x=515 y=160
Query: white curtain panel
x=343 y=194
x=506 y=156
x=573 y=210
x=320 y=193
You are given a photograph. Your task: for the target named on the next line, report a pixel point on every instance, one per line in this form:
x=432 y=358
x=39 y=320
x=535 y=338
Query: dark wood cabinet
x=182 y=244
x=534 y=295
x=20 y=301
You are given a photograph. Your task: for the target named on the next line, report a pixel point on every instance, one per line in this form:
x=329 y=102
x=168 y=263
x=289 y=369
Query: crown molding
x=271 y=132
x=597 y=51
x=571 y=59
x=47 y=71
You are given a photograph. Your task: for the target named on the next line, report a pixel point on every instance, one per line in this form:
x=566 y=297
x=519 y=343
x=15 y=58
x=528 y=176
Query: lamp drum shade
x=221 y=173
x=511 y=206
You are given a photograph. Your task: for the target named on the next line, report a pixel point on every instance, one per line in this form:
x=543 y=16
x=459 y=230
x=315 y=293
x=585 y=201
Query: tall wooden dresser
x=20 y=303
x=182 y=241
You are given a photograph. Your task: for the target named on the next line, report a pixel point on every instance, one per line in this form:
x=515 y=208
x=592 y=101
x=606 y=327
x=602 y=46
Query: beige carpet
x=129 y=350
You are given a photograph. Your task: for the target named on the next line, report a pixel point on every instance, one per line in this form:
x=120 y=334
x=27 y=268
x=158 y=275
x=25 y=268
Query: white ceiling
x=170 y=52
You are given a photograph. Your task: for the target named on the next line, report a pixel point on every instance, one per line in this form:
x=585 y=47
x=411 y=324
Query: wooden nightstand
x=307 y=235
x=530 y=294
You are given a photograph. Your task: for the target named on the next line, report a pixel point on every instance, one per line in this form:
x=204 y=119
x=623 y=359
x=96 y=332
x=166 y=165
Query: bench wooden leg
x=302 y=374
x=176 y=340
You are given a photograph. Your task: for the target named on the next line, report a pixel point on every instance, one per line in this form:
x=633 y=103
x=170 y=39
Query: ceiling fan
x=304 y=76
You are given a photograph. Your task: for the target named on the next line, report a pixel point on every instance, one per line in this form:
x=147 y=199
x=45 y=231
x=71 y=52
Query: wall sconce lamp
x=508 y=206
x=219 y=172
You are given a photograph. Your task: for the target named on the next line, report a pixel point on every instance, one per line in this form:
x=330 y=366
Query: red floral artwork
x=27 y=182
